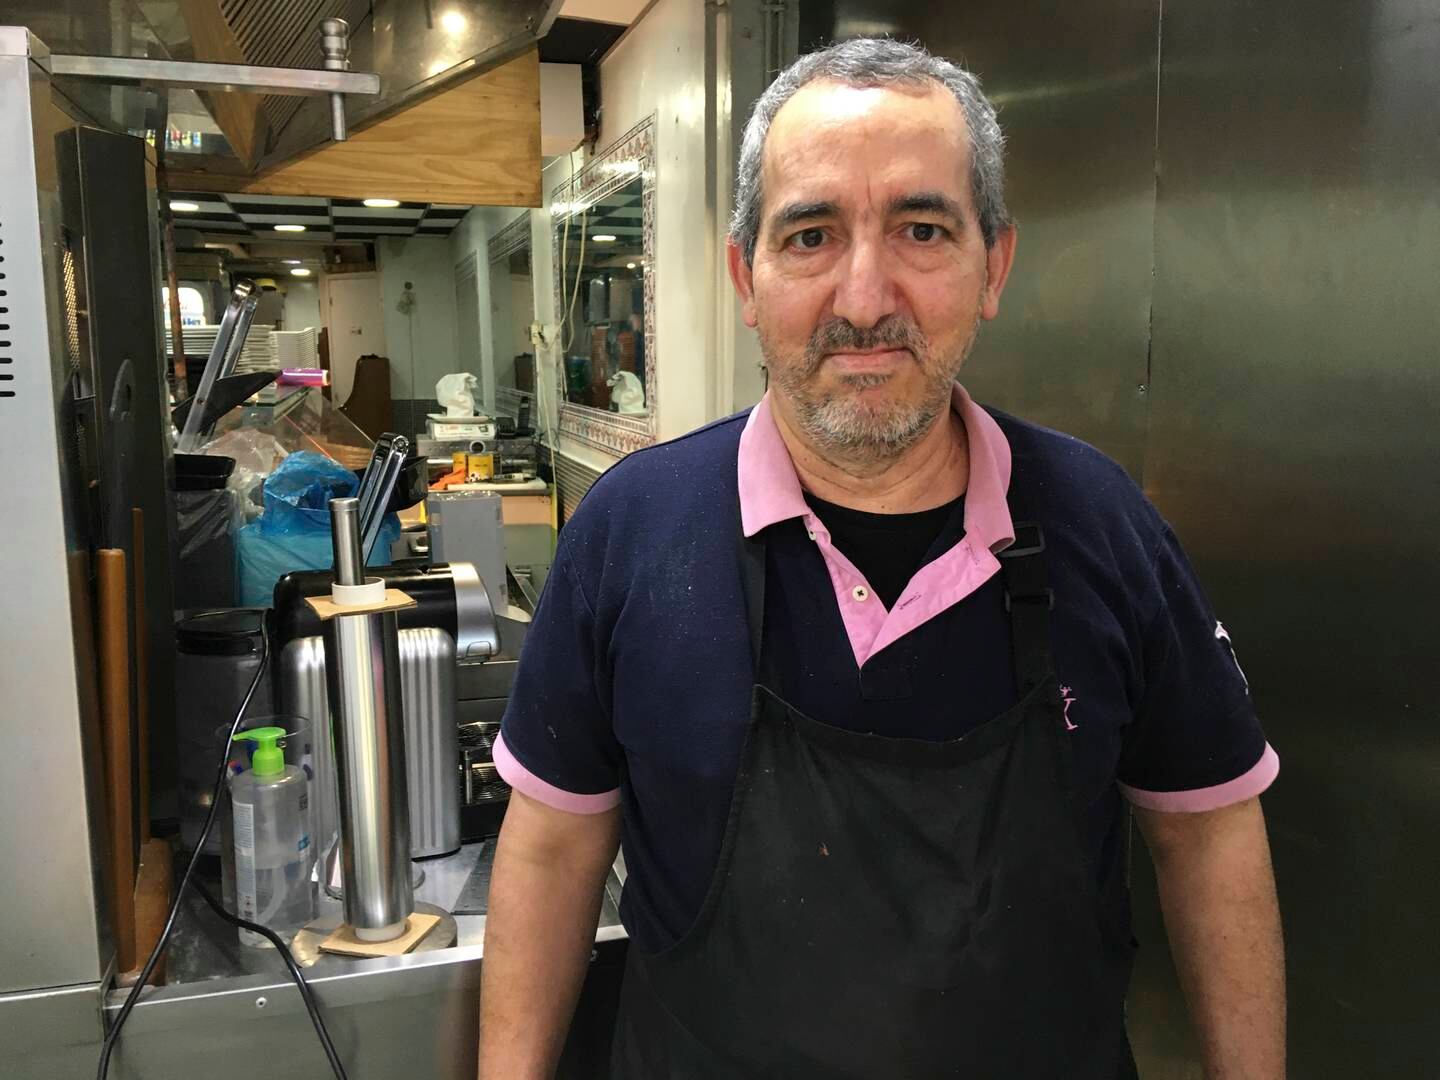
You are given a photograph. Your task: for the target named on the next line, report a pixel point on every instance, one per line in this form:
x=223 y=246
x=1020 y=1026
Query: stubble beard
x=843 y=427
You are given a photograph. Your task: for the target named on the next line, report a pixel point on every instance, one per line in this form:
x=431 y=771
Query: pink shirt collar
x=770 y=490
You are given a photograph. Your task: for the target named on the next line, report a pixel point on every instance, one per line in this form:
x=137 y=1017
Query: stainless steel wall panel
x=1288 y=430
x=1075 y=86
x=1294 y=445
x=51 y=1033
x=56 y=931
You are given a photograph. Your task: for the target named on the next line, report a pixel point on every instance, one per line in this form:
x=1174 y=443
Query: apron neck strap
x=752 y=582
x=1029 y=600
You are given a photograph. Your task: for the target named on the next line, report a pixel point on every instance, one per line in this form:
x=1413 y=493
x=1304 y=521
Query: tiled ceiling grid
x=254 y=217
x=620 y=214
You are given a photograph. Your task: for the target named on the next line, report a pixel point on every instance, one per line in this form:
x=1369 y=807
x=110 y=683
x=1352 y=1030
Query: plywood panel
x=477 y=143
x=237 y=113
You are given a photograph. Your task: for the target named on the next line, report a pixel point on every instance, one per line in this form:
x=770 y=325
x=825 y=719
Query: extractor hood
x=416 y=47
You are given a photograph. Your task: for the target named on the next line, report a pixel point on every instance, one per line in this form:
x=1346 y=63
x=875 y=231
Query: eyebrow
x=797 y=212
x=926 y=202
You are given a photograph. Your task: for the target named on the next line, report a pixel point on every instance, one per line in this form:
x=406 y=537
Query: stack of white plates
x=258 y=354
x=297 y=348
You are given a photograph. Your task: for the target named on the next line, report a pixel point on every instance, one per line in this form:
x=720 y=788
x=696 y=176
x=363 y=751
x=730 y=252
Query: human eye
x=926 y=232
x=806 y=239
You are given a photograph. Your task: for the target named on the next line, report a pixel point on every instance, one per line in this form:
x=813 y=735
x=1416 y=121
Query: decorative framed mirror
x=604 y=221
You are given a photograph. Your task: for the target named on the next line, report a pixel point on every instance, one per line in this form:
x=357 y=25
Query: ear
x=744 y=279
x=998 y=260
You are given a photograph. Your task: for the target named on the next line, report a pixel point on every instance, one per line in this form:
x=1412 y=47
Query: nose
x=865 y=291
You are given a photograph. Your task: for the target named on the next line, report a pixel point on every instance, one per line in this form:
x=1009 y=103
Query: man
x=867 y=677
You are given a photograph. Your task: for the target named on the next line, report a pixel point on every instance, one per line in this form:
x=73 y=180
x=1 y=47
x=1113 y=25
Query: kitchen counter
x=414 y=1016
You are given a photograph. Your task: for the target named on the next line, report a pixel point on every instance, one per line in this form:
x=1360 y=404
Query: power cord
x=113 y=1035
x=306 y=994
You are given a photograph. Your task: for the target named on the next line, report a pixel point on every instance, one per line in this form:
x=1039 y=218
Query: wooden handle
x=142 y=671
x=114 y=633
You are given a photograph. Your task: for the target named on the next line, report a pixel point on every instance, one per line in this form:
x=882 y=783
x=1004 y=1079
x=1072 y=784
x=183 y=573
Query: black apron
x=895 y=908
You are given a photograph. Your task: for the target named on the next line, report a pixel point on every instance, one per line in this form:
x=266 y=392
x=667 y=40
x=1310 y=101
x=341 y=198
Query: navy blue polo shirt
x=635 y=680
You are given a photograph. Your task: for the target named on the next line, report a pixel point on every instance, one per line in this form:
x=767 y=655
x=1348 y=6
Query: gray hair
x=866 y=62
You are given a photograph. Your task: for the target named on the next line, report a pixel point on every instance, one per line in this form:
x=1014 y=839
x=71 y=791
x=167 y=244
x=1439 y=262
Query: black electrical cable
x=108 y=1048
x=306 y=994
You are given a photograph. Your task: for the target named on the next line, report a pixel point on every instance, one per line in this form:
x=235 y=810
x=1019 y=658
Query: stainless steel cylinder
x=432 y=750
x=362 y=667
x=345 y=539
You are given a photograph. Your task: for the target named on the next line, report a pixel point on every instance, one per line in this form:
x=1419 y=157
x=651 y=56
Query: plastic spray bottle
x=270 y=831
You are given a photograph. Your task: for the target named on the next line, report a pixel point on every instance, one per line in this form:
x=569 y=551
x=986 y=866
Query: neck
x=933 y=472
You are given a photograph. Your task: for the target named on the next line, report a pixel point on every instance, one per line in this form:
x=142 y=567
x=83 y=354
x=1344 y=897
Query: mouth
x=869 y=361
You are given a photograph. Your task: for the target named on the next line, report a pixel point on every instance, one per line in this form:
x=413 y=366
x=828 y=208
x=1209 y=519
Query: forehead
x=843 y=143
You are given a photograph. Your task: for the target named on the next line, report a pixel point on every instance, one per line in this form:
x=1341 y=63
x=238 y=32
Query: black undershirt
x=887 y=548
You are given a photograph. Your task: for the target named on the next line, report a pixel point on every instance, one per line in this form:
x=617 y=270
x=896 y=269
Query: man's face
x=870 y=272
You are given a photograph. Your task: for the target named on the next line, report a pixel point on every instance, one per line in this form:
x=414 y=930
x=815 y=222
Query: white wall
x=660 y=68
x=472 y=235
x=302 y=305
x=421 y=344
x=562 y=109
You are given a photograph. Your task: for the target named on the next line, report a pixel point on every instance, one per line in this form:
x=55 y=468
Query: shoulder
x=1041 y=455
x=650 y=495
x=1080 y=494
x=699 y=453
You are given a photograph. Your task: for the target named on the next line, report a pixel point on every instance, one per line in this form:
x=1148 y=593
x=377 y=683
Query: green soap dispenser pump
x=268 y=759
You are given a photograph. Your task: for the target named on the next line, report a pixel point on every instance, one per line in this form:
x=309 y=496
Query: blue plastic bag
x=293 y=533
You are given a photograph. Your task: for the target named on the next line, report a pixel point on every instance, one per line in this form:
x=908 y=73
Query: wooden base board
x=345 y=942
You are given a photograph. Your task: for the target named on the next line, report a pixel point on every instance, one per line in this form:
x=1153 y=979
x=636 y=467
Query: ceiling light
x=382 y=204
x=602 y=238
x=452 y=22
x=291 y=262
x=300 y=271
x=289 y=228
x=182 y=207
x=629 y=266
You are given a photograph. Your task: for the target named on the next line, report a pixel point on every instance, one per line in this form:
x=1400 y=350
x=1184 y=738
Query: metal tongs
x=224 y=355
x=386 y=464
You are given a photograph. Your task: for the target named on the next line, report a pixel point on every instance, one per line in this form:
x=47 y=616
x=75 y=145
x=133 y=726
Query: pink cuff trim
x=527 y=783
x=1246 y=786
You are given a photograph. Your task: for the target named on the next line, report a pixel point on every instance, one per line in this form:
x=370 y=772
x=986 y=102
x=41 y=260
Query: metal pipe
x=362 y=668
x=251 y=78
x=172 y=279
x=345 y=537
x=362 y=677
x=335 y=47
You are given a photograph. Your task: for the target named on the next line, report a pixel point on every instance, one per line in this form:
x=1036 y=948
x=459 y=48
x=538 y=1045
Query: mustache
x=840 y=335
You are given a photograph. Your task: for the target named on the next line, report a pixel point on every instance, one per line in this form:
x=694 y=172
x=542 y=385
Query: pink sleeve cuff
x=527 y=783
x=1245 y=786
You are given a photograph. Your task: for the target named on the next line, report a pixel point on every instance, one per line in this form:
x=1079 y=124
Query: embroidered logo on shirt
x=1067 y=696
x=1221 y=634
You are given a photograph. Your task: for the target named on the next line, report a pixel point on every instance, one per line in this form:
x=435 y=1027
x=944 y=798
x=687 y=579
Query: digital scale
x=441 y=427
